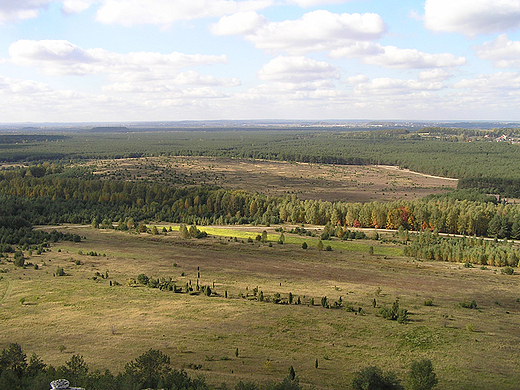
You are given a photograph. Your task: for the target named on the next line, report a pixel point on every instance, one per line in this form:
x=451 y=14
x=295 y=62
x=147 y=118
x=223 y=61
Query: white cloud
x=12 y=10
x=472 y=17
x=389 y=86
x=297 y=70
x=315 y=31
x=395 y=58
x=501 y=83
x=165 y=12
x=241 y=23
x=76 y=6
x=503 y=52
x=312 y=3
x=59 y=57
x=434 y=75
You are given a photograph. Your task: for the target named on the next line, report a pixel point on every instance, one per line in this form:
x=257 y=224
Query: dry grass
x=110 y=326
x=308 y=181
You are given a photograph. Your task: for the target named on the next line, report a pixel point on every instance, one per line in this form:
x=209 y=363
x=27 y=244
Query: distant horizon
x=258 y=124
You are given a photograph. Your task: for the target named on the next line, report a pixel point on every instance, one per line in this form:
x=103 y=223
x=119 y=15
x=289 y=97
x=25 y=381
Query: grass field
x=353 y=183
x=111 y=325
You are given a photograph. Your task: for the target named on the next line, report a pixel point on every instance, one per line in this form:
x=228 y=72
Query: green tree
x=320 y=245
x=292 y=373
x=148 y=368
x=13 y=359
x=421 y=375
x=372 y=378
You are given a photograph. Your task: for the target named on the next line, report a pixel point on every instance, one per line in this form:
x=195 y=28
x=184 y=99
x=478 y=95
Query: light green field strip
x=351 y=246
x=8 y=289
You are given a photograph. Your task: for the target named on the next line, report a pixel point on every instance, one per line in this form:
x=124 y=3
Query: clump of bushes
x=468 y=305
x=394 y=313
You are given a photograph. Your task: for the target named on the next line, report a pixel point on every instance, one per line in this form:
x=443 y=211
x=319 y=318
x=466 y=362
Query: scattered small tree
x=421 y=375
x=292 y=373
x=304 y=245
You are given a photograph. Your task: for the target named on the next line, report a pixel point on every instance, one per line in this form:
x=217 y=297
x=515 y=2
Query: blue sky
x=157 y=60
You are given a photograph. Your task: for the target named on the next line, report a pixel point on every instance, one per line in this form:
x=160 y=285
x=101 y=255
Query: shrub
x=421 y=375
x=508 y=270
x=304 y=245
x=394 y=313
x=60 y=271
x=468 y=305
x=143 y=279
x=372 y=378
x=428 y=302
x=19 y=259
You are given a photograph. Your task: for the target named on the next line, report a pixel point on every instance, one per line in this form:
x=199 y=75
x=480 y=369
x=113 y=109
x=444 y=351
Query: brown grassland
x=57 y=317
x=350 y=183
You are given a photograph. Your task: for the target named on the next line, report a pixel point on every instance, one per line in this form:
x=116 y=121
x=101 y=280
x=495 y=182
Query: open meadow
x=98 y=309
x=352 y=183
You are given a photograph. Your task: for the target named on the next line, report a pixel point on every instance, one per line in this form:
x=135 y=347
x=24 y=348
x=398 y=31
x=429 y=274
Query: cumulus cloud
x=75 y=6
x=14 y=10
x=58 y=57
x=434 y=75
x=472 y=17
x=21 y=9
x=165 y=12
x=395 y=58
x=502 y=51
x=297 y=70
x=315 y=31
x=312 y=3
x=241 y=23
x=501 y=82
x=386 y=86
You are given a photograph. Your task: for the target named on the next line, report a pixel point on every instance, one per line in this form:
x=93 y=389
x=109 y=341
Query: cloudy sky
x=142 y=60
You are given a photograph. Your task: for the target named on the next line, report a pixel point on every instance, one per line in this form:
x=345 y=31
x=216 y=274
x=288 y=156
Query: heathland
x=241 y=254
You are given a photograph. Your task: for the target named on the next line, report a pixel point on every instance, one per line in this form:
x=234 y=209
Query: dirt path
x=397 y=169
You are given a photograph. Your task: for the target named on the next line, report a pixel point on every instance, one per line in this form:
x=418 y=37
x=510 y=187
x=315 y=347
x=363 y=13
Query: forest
x=53 y=198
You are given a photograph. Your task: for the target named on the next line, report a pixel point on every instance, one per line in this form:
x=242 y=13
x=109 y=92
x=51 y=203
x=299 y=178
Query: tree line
x=153 y=370
x=56 y=198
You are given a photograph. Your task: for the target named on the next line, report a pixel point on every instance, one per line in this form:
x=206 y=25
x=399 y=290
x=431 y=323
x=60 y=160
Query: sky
x=167 y=60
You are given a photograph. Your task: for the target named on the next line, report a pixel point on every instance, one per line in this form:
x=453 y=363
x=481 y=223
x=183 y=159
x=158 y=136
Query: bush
x=421 y=376
x=372 y=378
x=143 y=279
x=468 y=305
x=394 y=313
x=60 y=271
x=428 y=302
x=508 y=270
x=19 y=259
x=304 y=245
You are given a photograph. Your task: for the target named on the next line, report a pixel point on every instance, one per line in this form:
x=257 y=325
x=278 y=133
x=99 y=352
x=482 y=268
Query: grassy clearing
x=111 y=325
x=273 y=237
